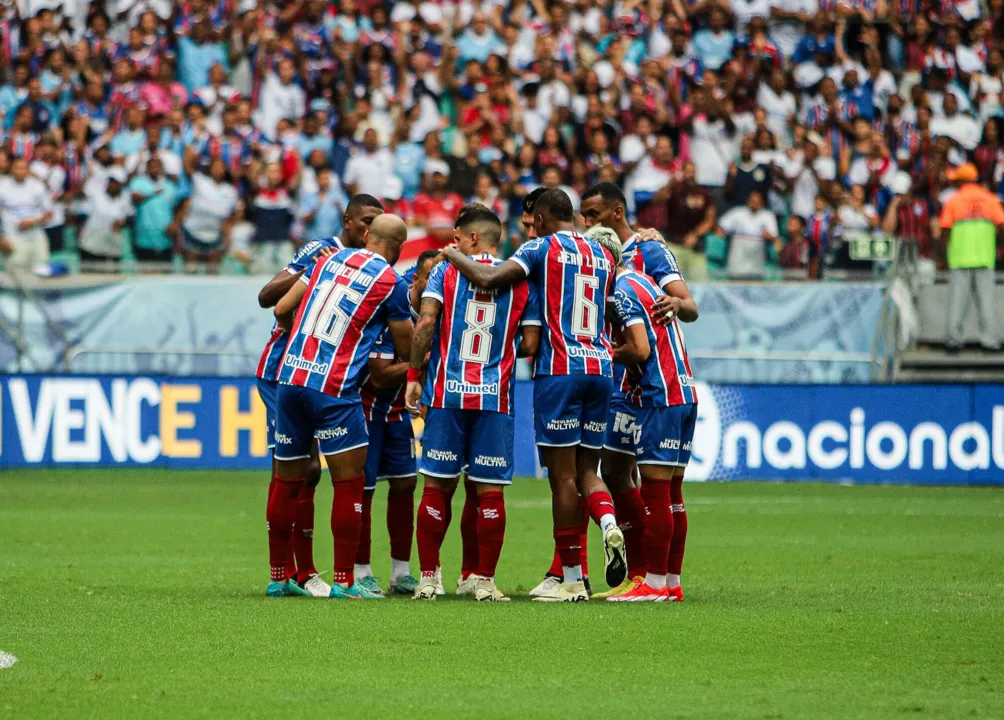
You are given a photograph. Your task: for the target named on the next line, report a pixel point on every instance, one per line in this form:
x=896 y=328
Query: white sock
x=655 y=581
x=608 y=521
x=398 y=569
x=572 y=573
x=672 y=580
x=361 y=571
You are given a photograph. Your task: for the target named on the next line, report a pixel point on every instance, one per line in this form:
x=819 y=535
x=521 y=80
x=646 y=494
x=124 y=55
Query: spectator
x=751 y=228
x=272 y=215
x=478 y=41
x=409 y=161
x=692 y=213
x=320 y=212
x=367 y=169
x=436 y=208
x=197 y=53
x=102 y=239
x=281 y=98
x=970 y=224
x=713 y=45
x=46 y=168
x=746 y=176
x=712 y=143
x=25 y=209
x=154 y=195
x=206 y=216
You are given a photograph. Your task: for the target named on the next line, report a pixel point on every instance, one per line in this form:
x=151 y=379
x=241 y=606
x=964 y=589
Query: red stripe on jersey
x=473 y=371
x=445 y=334
x=554 y=282
x=342 y=362
x=520 y=294
x=263 y=361
x=299 y=375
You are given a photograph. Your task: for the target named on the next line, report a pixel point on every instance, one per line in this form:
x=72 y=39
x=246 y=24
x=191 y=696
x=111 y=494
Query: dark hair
x=469 y=207
x=425 y=257
x=484 y=222
x=608 y=192
x=531 y=200
x=555 y=204
x=360 y=201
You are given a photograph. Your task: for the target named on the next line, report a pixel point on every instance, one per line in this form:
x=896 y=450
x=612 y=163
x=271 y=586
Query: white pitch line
x=6 y=660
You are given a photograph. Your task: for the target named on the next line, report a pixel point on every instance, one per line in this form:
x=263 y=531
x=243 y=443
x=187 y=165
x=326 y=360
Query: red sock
x=400 y=523
x=566 y=539
x=600 y=503
x=303 y=534
x=346 y=524
x=469 y=537
x=631 y=513
x=658 y=525
x=366 y=530
x=584 y=537
x=430 y=527
x=555 y=568
x=280 y=515
x=679 y=544
x=491 y=531
x=448 y=518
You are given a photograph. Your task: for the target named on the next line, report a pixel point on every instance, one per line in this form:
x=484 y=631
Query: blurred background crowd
x=760 y=136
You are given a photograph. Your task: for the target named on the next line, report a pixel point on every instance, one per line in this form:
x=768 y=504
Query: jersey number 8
x=327 y=320
x=476 y=341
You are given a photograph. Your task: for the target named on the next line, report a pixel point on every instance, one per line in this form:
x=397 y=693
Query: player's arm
x=677 y=302
x=285 y=309
x=529 y=342
x=635 y=348
x=385 y=373
x=428 y=318
x=505 y=274
x=277 y=287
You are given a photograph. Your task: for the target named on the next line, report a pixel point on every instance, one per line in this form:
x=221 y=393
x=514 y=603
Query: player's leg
x=307 y=576
x=291 y=460
x=679 y=543
x=596 y=392
x=618 y=470
x=659 y=459
x=363 y=571
x=441 y=463
x=468 y=540
x=491 y=459
x=398 y=467
x=557 y=410
x=342 y=441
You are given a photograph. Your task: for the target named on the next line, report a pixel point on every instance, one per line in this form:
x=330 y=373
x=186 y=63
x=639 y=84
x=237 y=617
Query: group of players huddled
x=358 y=349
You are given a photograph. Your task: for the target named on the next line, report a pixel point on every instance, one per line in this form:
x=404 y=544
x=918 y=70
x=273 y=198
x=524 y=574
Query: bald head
x=386 y=235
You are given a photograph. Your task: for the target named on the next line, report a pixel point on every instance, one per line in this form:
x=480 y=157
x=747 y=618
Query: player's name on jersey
x=457 y=386
x=598 y=262
x=353 y=275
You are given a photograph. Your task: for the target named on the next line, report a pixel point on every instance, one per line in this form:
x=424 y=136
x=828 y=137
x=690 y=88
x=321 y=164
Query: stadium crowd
x=753 y=134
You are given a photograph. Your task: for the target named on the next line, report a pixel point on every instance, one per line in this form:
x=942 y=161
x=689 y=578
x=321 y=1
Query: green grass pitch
x=140 y=594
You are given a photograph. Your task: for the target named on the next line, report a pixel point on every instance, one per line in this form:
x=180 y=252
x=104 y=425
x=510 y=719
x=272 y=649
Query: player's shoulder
x=312 y=247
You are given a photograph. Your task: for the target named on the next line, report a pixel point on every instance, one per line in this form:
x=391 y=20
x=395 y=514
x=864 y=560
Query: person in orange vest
x=971 y=221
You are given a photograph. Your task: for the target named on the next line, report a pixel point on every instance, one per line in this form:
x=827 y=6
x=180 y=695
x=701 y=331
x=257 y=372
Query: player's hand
x=323 y=253
x=650 y=234
x=412 y=394
x=666 y=307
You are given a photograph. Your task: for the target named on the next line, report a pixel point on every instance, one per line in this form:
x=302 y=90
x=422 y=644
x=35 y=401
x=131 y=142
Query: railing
x=14 y=328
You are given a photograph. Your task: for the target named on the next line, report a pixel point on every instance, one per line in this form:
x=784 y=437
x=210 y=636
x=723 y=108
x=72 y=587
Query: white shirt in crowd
x=787 y=33
x=99 y=235
x=746 y=9
x=634 y=148
x=54 y=178
x=211 y=204
x=806 y=187
x=279 y=102
x=861 y=171
x=779 y=109
x=712 y=149
x=647 y=178
x=368 y=171
x=20 y=201
x=960 y=128
x=853 y=220
x=748 y=246
x=552 y=95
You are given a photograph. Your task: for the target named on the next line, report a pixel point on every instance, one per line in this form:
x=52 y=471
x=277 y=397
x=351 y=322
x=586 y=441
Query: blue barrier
x=919 y=434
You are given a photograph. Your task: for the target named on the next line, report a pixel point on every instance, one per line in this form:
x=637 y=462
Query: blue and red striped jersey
x=573 y=277
x=652 y=258
x=383 y=403
x=665 y=378
x=351 y=296
x=271 y=356
x=473 y=358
